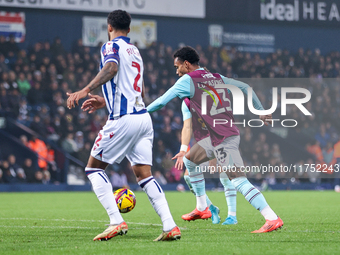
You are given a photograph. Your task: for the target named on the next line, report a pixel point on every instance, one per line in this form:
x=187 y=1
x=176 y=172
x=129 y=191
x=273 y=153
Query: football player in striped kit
x=128 y=131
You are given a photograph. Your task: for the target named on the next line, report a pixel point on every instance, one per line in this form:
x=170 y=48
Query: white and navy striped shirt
x=123 y=93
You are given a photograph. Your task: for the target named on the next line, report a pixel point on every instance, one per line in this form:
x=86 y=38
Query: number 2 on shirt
x=135 y=87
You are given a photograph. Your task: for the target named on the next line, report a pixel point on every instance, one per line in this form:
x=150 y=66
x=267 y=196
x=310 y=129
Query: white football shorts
x=130 y=136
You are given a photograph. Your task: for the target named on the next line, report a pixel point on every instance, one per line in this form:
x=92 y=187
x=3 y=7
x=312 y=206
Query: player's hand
x=94 y=103
x=179 y=163
x=74 y=98
x=267 y=119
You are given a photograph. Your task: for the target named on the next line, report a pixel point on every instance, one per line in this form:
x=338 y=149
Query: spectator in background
x=176 y=124
x=38 y=177
x=24 y=140
x=159 y=178
x=2 y=44
x=37 y=126
x=119 y=180
x=13 y=85
x=276 y=153
x=69 y=145
x=1 y=175
x=52 y=165
x=315 y=149
x=9 y=174
x=337 y=152
x=57 y=48
x=3 y=66
x=329 y=160
x=13 y=164
x=46 y=177
x=79 y=139
x=23 y=111
x=5 y=102
x=11 y=47
x=35 y=95
x=83 y=154
x=39 y=147
x=322 y=136
x=29 y=170
x=21 y=176
x=82 y=123
x=328 y=157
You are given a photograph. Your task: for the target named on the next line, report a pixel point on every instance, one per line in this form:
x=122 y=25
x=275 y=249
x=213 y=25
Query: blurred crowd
x=34 y=82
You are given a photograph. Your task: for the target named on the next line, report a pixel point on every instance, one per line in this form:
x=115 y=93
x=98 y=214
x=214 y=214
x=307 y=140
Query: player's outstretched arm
x=109 y=70
x=185 y=140
x=180 y=89
x=160 y=102
x=94 y=103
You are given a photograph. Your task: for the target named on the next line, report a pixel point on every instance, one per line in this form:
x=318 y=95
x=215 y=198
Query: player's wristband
x=184 y=148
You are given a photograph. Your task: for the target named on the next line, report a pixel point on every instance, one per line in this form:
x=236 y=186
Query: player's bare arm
x=94 y=103
x=185 y=140
x=143 y=90
x=109 y=70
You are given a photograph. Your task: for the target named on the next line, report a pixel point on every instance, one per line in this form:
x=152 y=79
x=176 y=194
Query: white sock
x=201 y=202
x=103 y=189
x=231 y=213
x=158 y=201
x=268 y=213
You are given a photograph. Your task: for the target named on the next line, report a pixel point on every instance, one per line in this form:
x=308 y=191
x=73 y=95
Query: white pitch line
x=2 y=226
x=73 y=220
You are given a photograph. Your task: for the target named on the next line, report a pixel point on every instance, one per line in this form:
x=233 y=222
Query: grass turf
x=66 y=222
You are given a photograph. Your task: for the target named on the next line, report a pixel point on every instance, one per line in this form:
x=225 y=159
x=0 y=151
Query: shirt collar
x=126 y=39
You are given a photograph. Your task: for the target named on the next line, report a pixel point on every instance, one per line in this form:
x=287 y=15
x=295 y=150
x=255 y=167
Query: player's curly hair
x=119 y=20
x=189 y=54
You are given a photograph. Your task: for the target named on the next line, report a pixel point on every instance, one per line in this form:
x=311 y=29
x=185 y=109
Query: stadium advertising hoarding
x=143 y=7
x=250 y=42
x=144 y=32
x=308 y=11
x=297 y=12
x=13 y=23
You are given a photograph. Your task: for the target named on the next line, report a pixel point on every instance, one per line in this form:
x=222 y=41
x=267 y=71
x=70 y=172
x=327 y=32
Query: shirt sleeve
x=110 y=51
x=182 y=88
x=244 y=87
x=185 y=111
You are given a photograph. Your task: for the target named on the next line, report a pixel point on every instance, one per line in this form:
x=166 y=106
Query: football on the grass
x=125 y=199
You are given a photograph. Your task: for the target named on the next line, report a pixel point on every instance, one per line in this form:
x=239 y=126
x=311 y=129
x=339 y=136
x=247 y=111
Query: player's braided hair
x=119 y=20
x=189 y=54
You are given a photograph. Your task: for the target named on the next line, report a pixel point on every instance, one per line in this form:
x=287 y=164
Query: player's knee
x=95 y=163
x=142 y=171
x=188 y=164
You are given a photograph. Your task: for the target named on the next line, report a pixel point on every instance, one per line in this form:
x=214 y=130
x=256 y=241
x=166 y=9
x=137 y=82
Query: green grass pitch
x=66 y=222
